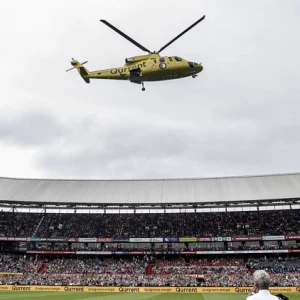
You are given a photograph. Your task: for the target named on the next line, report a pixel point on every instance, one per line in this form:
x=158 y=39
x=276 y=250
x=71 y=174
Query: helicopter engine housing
x=134 y=59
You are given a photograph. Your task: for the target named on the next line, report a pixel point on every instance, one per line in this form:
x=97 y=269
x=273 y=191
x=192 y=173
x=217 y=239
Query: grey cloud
x=101 y=150
x=139 y=149
x=32 y=128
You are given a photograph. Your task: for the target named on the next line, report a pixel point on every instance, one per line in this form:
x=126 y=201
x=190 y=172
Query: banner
x=55 y=240
x=153 y=240
x=13 y=239
x=70 y=240
x=217 y=290
x=146 y=240
x=217 y=252
x=246 y=238
x=195 y=275
x=171 y=240
x=17 y=239
x=49 y=252
x=187 y=239
x=136 y=252
x=165 y=251
x=273 y=237
x=242 y=251
x=45 y=288
x=101 y=289
x=222 y=239
x=292 y=237
x=11 y=273
x=120 y=240
x=273 y=290
x=94 y=252
x=158 y=289
x=87 y=240
x=105 y=240
x=204 y=239
x=124 y=289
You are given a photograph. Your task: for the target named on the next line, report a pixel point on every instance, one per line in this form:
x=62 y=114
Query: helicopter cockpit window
x=170 y=58
x=162 y=59
x=178 y=58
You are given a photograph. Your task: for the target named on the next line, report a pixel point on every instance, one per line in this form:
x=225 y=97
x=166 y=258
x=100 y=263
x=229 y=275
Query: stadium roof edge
x=152 y=179
x=185 y=192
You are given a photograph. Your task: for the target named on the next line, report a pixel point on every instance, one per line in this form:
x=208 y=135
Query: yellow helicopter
x=148 y=67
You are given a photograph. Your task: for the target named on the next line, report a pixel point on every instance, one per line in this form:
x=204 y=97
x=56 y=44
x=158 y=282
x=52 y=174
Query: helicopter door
x=135 y=73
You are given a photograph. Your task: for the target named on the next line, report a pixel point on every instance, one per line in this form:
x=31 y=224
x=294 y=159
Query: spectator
x=261 y=287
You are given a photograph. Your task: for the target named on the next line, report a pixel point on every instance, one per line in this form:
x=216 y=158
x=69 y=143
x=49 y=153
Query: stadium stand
x=196 y=232
x=150 y=225
x=213 y=272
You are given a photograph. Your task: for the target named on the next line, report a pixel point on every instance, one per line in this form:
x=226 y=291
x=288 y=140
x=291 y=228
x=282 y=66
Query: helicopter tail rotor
x=75 y=63
x=84 y=72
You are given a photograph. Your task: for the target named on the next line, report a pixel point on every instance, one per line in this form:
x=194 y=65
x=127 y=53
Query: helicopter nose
x=199 y=67
x=195 y=65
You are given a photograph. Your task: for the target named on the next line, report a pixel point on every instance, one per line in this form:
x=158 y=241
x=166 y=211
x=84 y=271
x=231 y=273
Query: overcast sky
x=240 y=116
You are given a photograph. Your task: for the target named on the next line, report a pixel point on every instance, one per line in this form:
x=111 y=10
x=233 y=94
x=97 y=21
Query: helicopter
x=147 y=67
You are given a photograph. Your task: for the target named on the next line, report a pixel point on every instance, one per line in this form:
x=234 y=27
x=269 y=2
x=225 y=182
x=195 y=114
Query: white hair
x=262 y=279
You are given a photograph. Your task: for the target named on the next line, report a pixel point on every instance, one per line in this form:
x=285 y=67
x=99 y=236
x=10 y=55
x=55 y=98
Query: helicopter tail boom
x=84 y=72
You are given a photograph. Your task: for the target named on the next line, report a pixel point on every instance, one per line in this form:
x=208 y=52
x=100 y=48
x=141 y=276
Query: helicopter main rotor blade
x=181 y=34
x=125 y=36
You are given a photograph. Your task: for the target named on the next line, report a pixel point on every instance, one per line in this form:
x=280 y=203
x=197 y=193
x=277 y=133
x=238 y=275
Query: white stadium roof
x=163 y=192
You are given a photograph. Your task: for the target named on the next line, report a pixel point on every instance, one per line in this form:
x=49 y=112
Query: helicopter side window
x=178 y=58
x=162 y=59
x=170 y=59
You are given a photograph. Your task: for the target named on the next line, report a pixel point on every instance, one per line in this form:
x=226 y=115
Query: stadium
x=198 y=237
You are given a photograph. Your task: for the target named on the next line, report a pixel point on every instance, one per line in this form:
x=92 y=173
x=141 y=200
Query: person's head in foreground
x=261 y=287
x=261 y=280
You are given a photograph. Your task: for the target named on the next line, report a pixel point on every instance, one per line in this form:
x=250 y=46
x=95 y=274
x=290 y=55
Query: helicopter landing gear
x=143 y=88
x=194 y=76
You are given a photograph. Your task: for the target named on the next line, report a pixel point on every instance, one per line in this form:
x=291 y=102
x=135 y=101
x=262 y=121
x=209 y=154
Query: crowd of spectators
x=216 y=266
x=277 y=279
x=99 y=280
x=201 y=224
x=275 y=222
x=94 y=265
x=276 y=264
x=194 y=271
x=13 y=224
x=210 y=280
x=132 y=272
x=69 y=225
x=15 y=264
